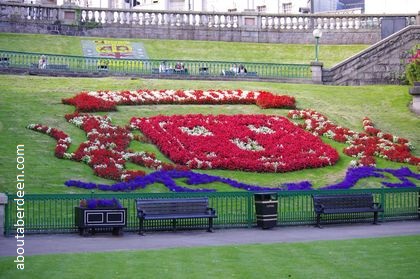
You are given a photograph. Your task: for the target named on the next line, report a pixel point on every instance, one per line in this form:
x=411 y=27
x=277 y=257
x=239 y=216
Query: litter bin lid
x=267 y=196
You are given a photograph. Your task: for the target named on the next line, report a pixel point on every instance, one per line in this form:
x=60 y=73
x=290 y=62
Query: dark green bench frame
x=174 y=209
x=345 y=203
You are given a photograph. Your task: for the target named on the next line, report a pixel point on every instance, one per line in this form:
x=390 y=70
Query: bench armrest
x=211 y=211
x=319 y=208
x=377 y=205
x=141 y=213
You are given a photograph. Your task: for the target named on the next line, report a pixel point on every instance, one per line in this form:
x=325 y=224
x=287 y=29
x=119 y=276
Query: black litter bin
x=266 y=209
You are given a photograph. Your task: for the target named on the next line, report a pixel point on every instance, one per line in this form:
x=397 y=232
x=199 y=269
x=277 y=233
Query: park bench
x=344 y=204
x=174 y=209
x=58 y=67
x=4 y=61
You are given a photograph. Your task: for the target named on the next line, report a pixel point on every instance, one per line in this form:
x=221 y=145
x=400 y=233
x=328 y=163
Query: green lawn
x=189 y=50
x=32 y=99
x=393 y=257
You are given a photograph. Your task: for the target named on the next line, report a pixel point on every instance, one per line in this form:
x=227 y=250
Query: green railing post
x=250 y=217
x=383 y=198
x=6 y=215
x=418 y=204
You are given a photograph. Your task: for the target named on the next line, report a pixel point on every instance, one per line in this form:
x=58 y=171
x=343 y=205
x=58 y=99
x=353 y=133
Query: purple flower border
x=167 y=178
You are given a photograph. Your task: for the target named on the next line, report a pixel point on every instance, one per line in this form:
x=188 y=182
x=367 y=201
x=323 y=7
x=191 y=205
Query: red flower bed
x=87 y=103
x=63 y=140
x=362 y=146
x=241 y=142
x=107 y=100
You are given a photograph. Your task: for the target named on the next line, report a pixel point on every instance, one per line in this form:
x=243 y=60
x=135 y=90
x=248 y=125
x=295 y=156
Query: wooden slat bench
x=345 y=203
x=174 y=209
x=58 y=67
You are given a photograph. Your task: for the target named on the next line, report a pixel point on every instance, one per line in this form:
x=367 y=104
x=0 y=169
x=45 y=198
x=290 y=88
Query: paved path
x=73 y=243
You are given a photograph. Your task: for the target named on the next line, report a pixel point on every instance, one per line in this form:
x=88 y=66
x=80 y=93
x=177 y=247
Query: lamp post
x=317 y=35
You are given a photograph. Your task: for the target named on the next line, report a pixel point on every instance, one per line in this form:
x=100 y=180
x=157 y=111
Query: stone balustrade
x=191 y=25
x=31 y=12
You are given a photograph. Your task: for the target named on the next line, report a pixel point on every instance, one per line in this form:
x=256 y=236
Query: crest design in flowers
x=259 y=143
x=241 y=142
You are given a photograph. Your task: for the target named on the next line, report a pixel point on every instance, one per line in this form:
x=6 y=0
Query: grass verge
x=390 y=257
x=189 y=50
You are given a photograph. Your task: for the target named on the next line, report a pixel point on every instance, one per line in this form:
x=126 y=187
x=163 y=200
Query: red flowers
x=63 y=140
x=87 y=103
x=107 y=100
x=362 y=146
x=240 y=142
x=268 y=100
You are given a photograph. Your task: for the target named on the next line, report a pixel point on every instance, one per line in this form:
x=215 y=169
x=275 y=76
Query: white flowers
x=261 y=130
x=196 y=131
x=249 y=144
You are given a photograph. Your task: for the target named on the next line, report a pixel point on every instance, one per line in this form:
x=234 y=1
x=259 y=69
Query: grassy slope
x=30 y=99
x=394 y=257
x=193 y=50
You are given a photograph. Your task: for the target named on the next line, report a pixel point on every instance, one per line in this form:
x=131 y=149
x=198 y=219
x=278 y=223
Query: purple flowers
x=168 y=179
x=100 y=203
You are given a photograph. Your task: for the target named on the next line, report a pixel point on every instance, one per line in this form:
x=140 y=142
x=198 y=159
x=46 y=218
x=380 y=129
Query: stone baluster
x=197 y=21
x=295 y=23
x=216 y=21
x=134 y=18
x=263 y=22
x=154 y=19
x=350 y=23
x=275 y=22
x=159 y=18
x=108 y=17
x=332 y=23
x=205 y=20
x=147 y=19
x=282 y=23
x=228 y=19
x=165 y=19
x=140 y=16
x=357 y=23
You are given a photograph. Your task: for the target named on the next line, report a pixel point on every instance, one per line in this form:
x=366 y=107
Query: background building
x=263 y=6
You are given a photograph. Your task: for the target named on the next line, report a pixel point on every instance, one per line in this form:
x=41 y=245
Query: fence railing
x=152 y=67
x=55 y=212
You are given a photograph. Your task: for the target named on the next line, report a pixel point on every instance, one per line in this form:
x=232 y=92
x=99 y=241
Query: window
x=261 y=9
x=287 y=8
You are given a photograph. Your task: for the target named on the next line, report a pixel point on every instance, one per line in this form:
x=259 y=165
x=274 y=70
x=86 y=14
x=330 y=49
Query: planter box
x=90 y=219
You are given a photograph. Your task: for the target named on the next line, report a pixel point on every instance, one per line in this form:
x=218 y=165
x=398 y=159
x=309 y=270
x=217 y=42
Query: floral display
x=100 y=203
x=106 y=149
x=168 y=178
x=63 y=140
x=363 y=146
x=107 y=100
x=258 y=143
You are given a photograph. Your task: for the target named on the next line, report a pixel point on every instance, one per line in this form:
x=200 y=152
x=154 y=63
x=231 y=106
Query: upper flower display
x=108 y=100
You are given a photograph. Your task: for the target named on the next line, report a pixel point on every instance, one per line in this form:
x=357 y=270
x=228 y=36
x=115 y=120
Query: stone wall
x=382 y=63
x=184 y=25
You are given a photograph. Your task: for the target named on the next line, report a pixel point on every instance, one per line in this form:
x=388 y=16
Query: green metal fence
x=193 y=69
x=55 y=212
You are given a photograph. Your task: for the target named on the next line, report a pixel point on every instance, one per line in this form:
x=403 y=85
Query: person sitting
x=163 y=67
x=42 y=63
x=178 y=67
x=242 y=70
x=234 y=69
